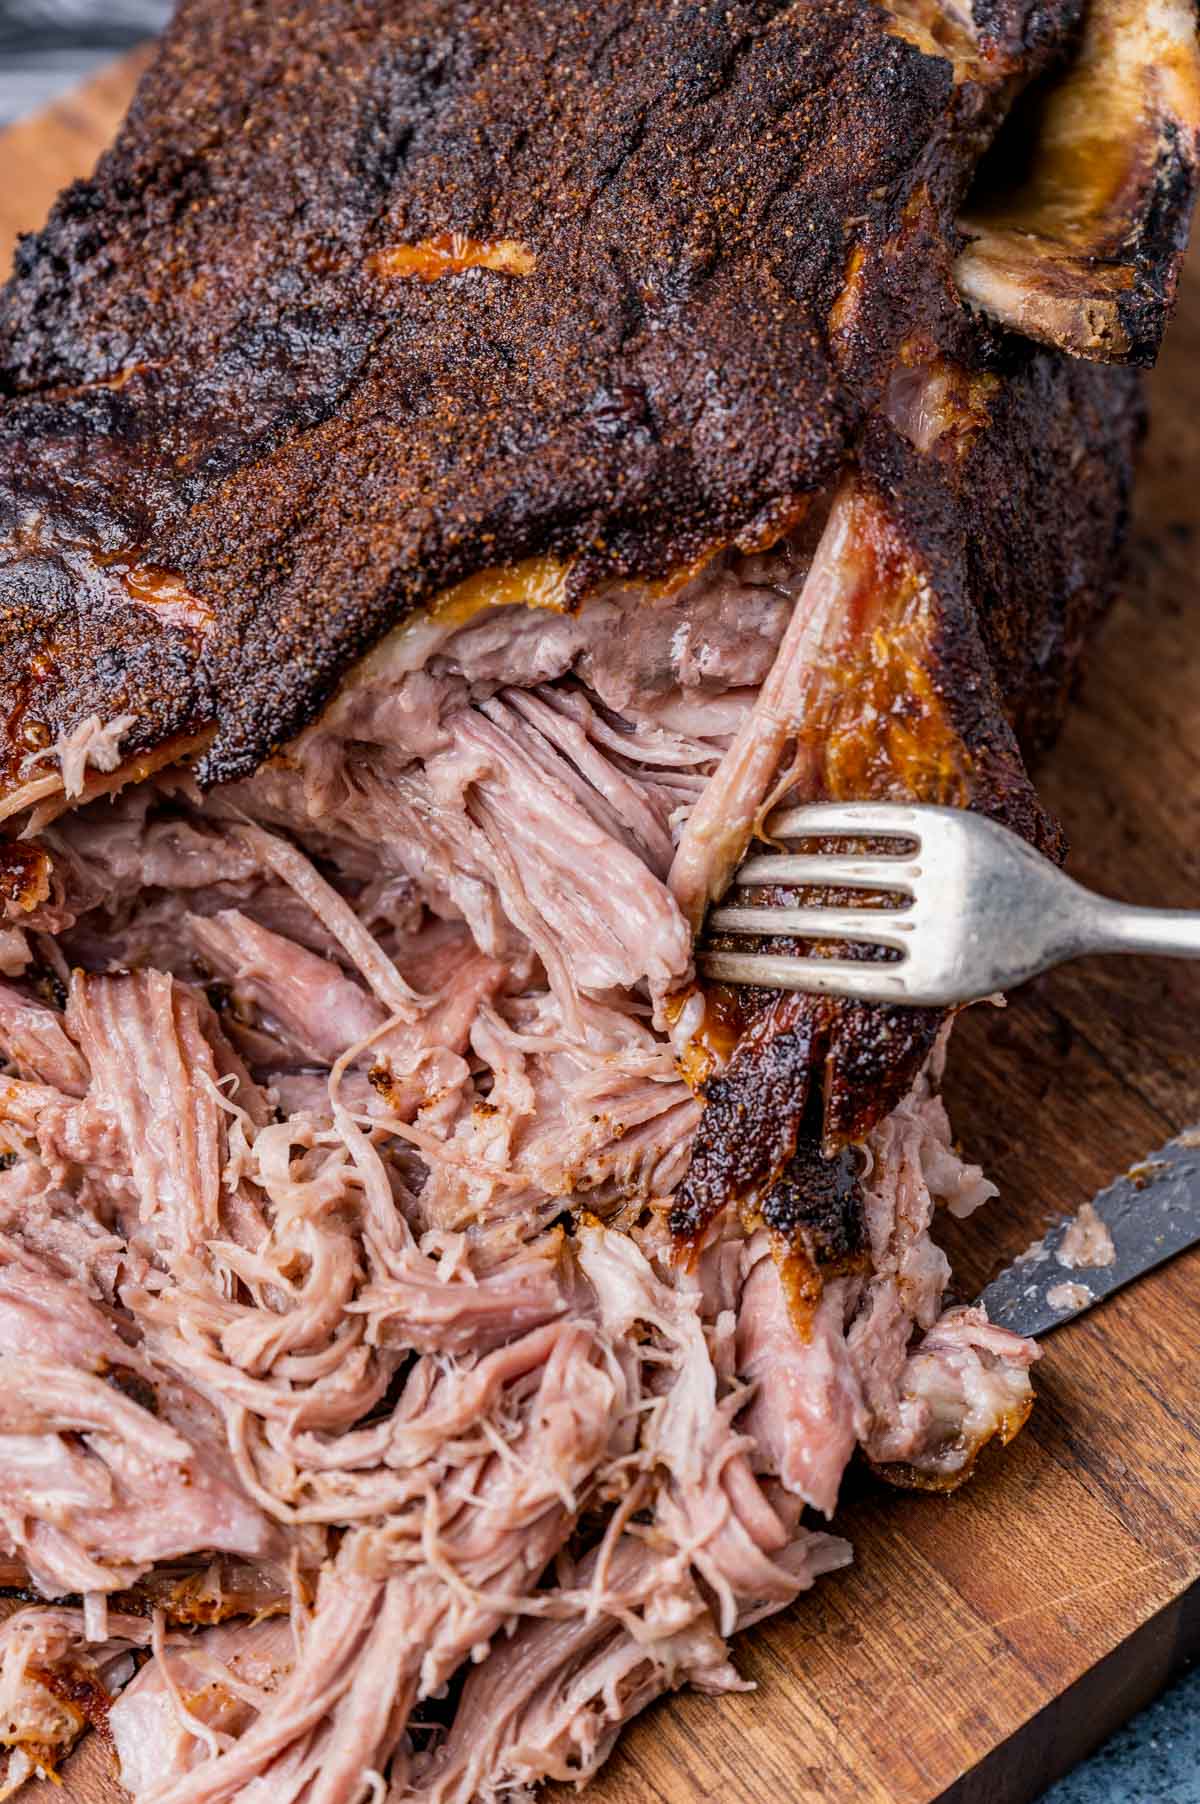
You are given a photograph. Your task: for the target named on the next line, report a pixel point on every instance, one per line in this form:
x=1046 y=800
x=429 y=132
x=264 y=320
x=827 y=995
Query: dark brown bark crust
x=1020 y=539
x=203 y=375
x=742 y=218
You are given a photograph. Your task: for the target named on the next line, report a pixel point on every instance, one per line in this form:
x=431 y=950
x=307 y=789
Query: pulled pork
x=339 y=1309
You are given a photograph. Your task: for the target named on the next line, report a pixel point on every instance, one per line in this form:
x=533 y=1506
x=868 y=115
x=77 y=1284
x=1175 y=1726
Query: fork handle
x=1170 y=932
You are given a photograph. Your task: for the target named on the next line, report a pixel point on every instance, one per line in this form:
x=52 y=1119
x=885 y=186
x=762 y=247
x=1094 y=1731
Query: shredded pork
x=342 y=1126
x=1087 y=1241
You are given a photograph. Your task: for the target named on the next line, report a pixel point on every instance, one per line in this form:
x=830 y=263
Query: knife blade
x=1152 y=1212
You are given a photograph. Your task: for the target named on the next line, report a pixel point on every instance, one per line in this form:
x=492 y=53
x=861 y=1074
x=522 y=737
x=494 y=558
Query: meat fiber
x=196 y=1698
x=432 y=1321
x=98 y=1479
x=1087 y=1240
x=58 y=1675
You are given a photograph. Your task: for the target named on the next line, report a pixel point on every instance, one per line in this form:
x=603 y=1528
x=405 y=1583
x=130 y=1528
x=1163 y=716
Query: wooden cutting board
x=982 y=1643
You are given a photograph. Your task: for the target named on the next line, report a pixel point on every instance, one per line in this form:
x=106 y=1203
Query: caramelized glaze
x=166 y=592
x=448 y=254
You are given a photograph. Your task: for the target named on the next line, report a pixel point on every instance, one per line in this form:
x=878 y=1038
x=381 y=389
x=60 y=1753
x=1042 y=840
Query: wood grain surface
x=982 y=1643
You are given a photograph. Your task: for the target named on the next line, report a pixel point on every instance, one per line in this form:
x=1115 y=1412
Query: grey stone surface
x=45 y=47
x=48 y=45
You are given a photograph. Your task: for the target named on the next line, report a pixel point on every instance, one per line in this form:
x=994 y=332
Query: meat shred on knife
x=458 y=464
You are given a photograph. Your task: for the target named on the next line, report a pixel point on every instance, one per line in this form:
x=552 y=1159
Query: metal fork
x=982 y=912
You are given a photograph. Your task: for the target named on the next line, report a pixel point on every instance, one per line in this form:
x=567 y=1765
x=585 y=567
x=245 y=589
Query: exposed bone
x=1083 y=249
x=939 y=28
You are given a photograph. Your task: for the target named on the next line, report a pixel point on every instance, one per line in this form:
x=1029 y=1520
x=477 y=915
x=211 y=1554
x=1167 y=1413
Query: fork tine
x=874 y=818
x=839 y=873
x=880 y=927
x=816 y=976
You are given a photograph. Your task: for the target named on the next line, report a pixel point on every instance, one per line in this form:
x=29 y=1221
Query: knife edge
x=1151 y=1212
